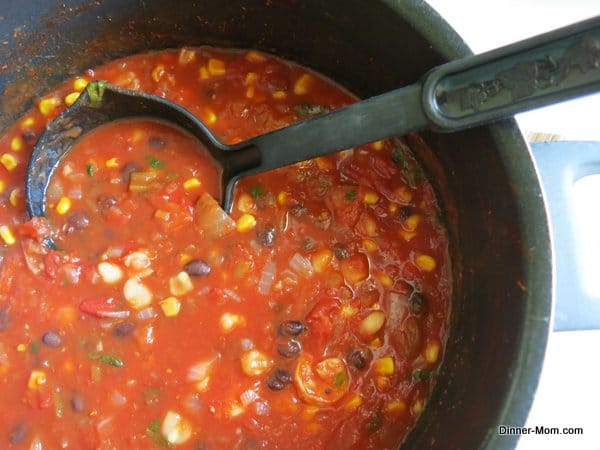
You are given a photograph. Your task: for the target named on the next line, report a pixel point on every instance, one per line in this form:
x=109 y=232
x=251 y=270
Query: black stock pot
x=485 y=177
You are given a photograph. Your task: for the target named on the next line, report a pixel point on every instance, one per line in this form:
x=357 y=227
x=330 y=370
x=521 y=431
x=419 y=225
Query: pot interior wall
x=495 y=350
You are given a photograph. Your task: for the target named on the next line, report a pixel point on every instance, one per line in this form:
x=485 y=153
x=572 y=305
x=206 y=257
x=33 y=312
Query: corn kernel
x=407 y=235
x=417 y=407
x=254 y=56
x=79 y=84
x=2 y=186
x=377 y=145
x=71 y=98
x=37 y=378
x=385 y=366
x=216 y=66
x=250 y=91
x=425 y=262
x=16 y=144
x=112 y=163
x=170 y=306
x=279 y=95
x=395 y=406
x=109 y=272
x=13 y=197
x=158 y=72
x=191 y=183
x=393 y=208
x=403 y=194
x=63 y=206
x=245 y=223
x=432 y=352
x=348 y=311
x=209 y=116
x=255 y=363
x=180 y=284
x=370 y=198
x=137 y=294
x=321 y=260
x=8 y=161
x=229 y=322
x=7 y=235
x=412 y=222
x=204 y=73
x=302 y=83
x=371 y=324
x=377 y=342
x=137 y=135
x=370 y=245
x=48 y=105
x=175 y=429
x=27 y=122
x=385 y=280
x=282 y=198
x=250 y=78
x=245 y=203
x=184 y=258
x=354 y=402
x=21 y=348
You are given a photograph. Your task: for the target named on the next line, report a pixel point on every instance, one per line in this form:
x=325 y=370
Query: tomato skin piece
x=102 y=307
x=37 y=229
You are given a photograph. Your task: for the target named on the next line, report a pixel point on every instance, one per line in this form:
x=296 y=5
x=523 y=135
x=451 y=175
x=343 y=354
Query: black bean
x=106 y=201
x=17 y=434
x=279 y=379
x=52 y=339
x=404 y=212
x=289 y=348
x=417 y=304
x=291 y=328
x=128 y=169
x=77 y=403
x=197 y=268
x=266 y=235
x=123 y=329
x=340 y=251
x=78 y=220
x=156 y=142
x=4 y=318
x=29 y=136
x=359 y=358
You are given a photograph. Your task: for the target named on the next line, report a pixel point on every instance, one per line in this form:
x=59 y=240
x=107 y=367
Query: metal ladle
x=542 y=70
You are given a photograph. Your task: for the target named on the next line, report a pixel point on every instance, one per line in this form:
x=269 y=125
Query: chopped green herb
x=421 y=375
x=258 y=190
x=106 y=359
x=34 y=347
x=154 y=162
x=305 y=109
x=339 y=379
x=95 y=91
x=351 y=195
x=410 y=170
x=374 y=423
x=153 y=432
x=90 y=170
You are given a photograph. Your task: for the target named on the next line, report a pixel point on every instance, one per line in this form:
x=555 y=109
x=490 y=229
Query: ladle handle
x=539 y=71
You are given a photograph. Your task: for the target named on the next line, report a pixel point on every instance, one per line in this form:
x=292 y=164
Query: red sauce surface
x=314 y=317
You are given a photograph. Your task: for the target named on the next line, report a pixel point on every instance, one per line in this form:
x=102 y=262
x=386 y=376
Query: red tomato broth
x=350 y=239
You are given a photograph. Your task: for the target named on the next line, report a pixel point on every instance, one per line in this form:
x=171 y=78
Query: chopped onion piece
x=175 y=428
x=228 y=293
x=146 y=313
x=248 y=397
x=262 y=408
x=267 y=277
x=301 y=265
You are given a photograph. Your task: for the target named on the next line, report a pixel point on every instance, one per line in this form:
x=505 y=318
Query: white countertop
x=569 y=389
